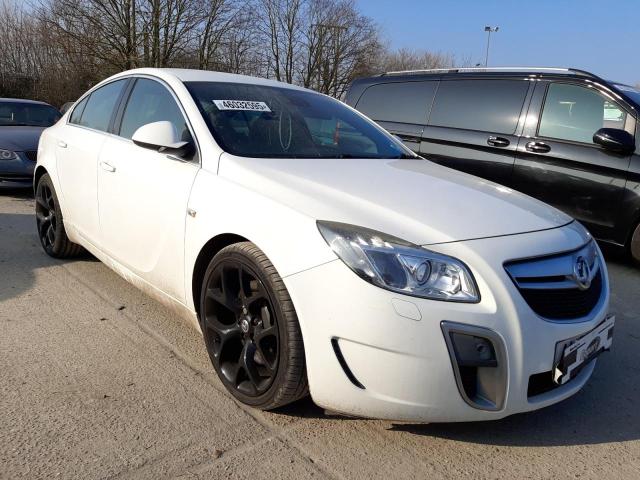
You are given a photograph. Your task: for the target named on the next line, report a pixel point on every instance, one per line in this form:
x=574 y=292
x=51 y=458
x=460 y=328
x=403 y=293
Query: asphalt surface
x=97 y=380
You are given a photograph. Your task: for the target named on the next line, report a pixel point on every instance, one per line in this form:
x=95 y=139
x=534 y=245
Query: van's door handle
x=538 y=147
x=407 y=138
x=497 y=141
x=107 y=167
x=62 y=144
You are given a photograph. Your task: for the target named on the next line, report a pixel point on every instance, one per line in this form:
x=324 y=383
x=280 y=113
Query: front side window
x=151 y=102
x=100 y=105
x=575 y=113
x=264 y=121
x=27 y=114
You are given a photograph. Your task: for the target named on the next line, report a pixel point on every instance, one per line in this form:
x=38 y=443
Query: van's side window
x=401 y=102
x=484 y=105
x=575 y=113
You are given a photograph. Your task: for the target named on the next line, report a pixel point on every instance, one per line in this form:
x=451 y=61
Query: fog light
x=479 y=363
x=472 y=351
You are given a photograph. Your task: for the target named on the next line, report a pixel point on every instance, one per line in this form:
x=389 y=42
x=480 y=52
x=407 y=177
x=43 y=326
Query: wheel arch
x=37 y=175
x=207 y=252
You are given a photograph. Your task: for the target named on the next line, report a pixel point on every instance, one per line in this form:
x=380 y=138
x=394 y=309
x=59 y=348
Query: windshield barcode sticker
x=248 y=105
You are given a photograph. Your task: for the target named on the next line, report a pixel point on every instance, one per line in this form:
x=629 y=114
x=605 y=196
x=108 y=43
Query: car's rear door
x=474 y=125
x=79 y=145
x=557 y=161
x=401 y=107
x=143 y=193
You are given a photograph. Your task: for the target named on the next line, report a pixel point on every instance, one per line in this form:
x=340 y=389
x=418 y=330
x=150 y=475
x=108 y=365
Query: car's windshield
x=264 y=121
x=29 y=114
x=631 y=92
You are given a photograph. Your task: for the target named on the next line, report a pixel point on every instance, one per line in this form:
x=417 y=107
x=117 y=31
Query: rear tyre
x=51 y=232
x=251 y=329
x=635 y=245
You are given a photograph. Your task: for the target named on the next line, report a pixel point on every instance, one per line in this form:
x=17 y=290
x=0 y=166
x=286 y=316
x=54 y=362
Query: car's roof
x=188 y=75
x=23 y=100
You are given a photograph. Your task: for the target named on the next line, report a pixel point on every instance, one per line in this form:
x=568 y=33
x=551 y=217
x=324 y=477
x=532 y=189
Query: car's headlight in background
x=398 y=265
x=7 y=155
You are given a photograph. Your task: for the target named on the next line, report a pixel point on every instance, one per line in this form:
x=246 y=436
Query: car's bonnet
x=19 y=138
x=416 y=200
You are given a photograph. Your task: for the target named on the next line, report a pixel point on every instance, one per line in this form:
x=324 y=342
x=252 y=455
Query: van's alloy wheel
x=251 y=330
x=49 y=222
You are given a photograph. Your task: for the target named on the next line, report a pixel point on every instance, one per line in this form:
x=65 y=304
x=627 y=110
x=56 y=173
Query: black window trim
x=517 y=132
x=578 y=83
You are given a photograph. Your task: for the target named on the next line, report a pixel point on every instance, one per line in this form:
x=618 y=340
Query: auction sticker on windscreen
x=246 y=105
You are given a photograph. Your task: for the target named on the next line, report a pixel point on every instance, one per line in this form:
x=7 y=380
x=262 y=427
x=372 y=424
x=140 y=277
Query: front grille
x=564 y=304
x=32 y=155
x=551 y=285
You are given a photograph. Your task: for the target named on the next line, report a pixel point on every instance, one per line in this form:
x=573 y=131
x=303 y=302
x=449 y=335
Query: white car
x=318 y=255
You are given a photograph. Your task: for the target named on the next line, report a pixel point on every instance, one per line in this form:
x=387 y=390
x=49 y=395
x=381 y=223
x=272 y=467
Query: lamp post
x=489 y=30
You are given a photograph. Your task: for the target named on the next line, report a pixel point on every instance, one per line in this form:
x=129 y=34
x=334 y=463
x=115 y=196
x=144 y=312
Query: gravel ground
x=99 y=381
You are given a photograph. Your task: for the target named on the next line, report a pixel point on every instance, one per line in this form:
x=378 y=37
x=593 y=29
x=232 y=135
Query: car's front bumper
x=394 y=346
x=18 y=171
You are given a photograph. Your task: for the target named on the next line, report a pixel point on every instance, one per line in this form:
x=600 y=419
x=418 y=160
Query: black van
x=564 y=136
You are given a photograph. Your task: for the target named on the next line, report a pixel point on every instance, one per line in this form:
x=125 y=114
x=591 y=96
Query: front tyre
x=251 y=329
x=51 y=232
x=635 y=245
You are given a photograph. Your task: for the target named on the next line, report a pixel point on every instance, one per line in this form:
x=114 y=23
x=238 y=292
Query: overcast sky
x=600 y=36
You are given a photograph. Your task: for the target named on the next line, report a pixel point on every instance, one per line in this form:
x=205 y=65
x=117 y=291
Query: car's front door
x=557 y=161
x=143 y=193
x=474 y=126
x=79 y=145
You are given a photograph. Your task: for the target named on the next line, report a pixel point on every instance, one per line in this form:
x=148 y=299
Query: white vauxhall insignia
x=318 y=255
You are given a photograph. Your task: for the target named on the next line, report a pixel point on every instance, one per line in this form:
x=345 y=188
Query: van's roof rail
x=567 y=71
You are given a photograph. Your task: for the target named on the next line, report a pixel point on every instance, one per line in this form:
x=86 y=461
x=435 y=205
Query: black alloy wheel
x=46 y=216
x=254 y=344
x=50 y=224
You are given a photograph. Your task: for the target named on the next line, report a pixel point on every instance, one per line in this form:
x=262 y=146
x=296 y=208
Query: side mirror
x=614 y=139
x=161 y=136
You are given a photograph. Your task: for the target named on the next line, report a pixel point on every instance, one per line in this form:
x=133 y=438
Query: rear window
x=401 y=102
x=485 y=105
x=264 y=121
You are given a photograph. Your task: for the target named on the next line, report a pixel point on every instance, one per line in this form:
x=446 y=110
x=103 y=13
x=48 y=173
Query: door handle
x=538 y=147
x=107 y=168
x=407 y=138
x=497 y=141
x=62 y=144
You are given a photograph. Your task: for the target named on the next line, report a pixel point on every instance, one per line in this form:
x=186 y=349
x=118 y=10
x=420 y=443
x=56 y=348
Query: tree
x=56 y=50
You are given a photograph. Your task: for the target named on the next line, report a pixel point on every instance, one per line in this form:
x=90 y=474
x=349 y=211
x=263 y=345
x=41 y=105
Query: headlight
x=398 y=265
x=8 y=155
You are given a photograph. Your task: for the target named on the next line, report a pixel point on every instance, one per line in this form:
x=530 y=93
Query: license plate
x=573 y=354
